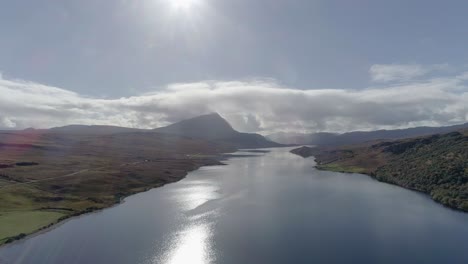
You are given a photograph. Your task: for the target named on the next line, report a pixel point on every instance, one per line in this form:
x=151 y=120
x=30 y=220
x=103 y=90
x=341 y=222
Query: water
x=274 y=208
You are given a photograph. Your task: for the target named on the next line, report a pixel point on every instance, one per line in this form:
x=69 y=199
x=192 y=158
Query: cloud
x=6 y=123
x=255 y=106
x=401 y=72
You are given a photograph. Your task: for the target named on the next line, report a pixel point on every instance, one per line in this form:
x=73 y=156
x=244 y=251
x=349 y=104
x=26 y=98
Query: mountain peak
x=215 y=128
x=209 y=126
x=213 y=114
x=213 y=119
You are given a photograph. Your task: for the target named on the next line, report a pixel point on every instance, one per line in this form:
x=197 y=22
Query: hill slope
x=213 y=127
x=333 y=139
x=436 y=165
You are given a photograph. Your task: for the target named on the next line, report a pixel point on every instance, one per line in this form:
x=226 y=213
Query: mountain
x=213 y=127
x=92 y=130
x=435 y=164
x=334 y=139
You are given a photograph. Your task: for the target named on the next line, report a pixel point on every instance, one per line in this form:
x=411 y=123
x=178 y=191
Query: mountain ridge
x=355 y=137
x=94 y=129
x=210 y=127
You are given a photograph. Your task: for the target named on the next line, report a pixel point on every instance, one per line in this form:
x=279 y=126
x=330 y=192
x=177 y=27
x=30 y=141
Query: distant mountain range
x=333 y=139
x=211 y=127
x=214 y=128
x=94 y=130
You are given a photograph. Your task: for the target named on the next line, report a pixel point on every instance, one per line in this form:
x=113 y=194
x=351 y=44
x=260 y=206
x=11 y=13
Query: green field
x=25 y=222
x=3 y=183
x=341 y=168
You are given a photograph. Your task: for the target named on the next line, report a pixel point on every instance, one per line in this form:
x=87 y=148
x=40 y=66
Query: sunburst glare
x=183 y=5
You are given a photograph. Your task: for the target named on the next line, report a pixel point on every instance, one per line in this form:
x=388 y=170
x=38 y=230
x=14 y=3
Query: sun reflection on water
x=191 y=197
x=191 y=241
x=190 y=246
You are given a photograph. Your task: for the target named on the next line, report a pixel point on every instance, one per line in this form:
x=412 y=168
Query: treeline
x=437 y=165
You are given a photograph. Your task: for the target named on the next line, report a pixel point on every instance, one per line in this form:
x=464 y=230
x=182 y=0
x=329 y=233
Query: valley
x=47 y=176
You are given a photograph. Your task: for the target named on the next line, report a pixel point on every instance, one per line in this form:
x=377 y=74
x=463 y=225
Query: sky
x=265 y=65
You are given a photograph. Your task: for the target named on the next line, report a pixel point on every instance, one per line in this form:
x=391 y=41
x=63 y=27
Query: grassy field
x=14 y=223
x=3 y=183
x=341 y=168
x=76 y=174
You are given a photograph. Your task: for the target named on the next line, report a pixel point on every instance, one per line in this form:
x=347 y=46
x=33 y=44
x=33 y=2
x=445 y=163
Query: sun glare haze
x=183 y=4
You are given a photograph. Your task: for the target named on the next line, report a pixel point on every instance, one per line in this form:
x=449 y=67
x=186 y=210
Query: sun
x=183 y=5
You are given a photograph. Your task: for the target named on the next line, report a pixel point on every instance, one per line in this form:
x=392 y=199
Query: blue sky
x=113 y=49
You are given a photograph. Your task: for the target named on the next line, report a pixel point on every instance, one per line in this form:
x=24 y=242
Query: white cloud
x=6 y=123
x=256 y=106
x=401 y=72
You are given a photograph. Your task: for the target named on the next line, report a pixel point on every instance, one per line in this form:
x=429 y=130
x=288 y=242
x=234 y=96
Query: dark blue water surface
x=274 y=208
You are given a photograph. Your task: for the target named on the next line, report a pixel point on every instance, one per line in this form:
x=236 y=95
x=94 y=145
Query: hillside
x=213 y=127
x=334 y=139
x=436 y=165
x=303 y=151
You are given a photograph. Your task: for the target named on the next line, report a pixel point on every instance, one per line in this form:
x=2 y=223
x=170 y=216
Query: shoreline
x=64 y=219
x=460 y=210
